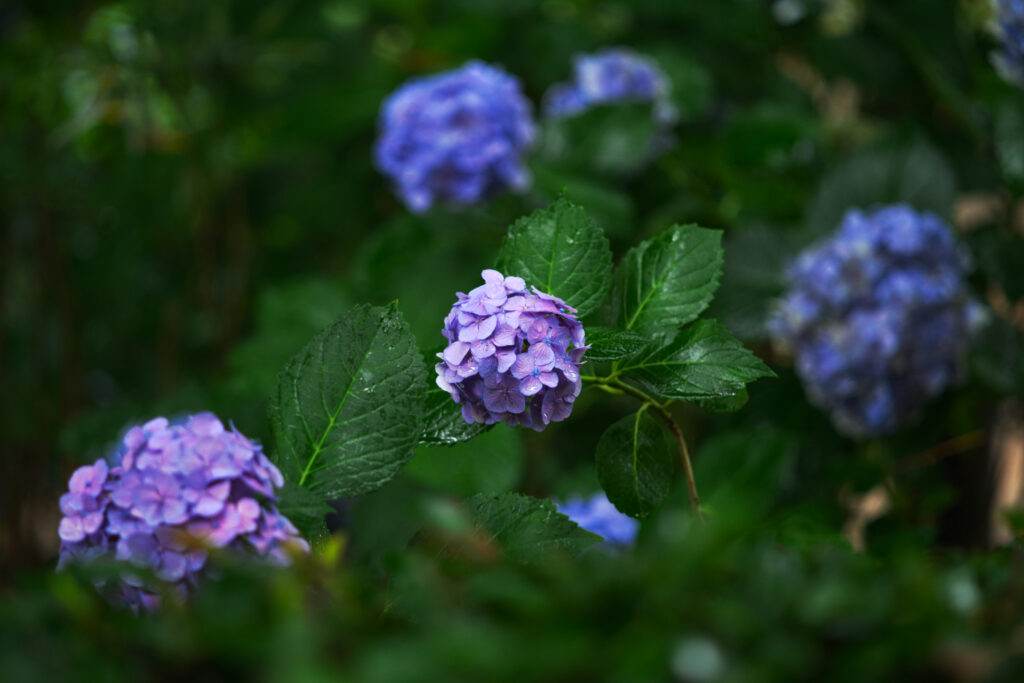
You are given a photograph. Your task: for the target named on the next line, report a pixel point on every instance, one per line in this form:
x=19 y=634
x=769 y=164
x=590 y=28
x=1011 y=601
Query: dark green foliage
x=347 y=411
x=703 y=361
x=634 y=464
x=528 y=529
x=560 y=251
x=666 y=282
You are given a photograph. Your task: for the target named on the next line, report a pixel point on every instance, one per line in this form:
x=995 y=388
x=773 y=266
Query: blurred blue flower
x=1010 y=28
x=611 y=76
x=597 y=514
x=175 y=492
x=878 y=317
x=513 y=355
x=456 y=137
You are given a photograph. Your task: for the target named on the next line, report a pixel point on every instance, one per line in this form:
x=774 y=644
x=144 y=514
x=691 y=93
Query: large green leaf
x=634 y=464
x=348 y=408
x=608 y=343
x=528 y=529
x=666 y=282
x=562 y=252
x=443 y=422
x=306 y=510
x=703 y=361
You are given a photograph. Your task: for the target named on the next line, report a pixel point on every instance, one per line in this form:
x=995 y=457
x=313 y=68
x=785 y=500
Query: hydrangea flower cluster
x=1010 y=29
x=456 y=137
x=597 y=514
x=609 y=77
x=176 y=492
x=513 y=355
x=878 y=317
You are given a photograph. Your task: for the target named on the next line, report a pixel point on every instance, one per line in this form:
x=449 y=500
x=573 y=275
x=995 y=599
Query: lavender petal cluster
x=611 y=76
x=176 y=492
x=878 y=318
x=513 y=354
x=456 y=137
x=1009 y=58
x=597 y=514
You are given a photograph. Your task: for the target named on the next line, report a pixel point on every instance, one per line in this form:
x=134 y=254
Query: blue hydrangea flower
x=611 y=76
x=175 y=492
x=878 y=317
x=597 y=514
x=513 y=355
x=456 y=137
x=1010 y=29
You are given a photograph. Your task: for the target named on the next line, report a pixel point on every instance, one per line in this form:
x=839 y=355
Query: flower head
x=611 y=76
x=1009 y=59
x=456 y=137
x=597 y=514
x=174 y=492
x=513 y=354
x=878 y=318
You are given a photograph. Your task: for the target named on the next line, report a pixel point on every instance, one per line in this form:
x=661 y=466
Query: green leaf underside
x=562 y=252
x=443 y=422
x=306 y=510
x=608 y=343
x=528 y=529
x=348 y=408
x=703 y=361
x=634 y=464
x=665 y=282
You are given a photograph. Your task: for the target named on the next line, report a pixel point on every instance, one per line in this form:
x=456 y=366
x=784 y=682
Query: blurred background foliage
x=188 y=196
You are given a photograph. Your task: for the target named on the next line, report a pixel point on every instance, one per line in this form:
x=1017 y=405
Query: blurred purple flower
x=175 y=491
x=878 y=317
x=597 y=514
x=456 y=137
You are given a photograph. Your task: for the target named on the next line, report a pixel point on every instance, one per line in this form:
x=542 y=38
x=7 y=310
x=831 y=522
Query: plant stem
x=615 y=386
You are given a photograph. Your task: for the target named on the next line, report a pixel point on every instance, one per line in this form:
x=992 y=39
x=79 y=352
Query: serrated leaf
x=348 y=408
x=443 y=424
x=703 y=361
x=725 y=404
x=664 y=283
x=608 y=343
x=634 y=464
x=306 y=510
x=528 y=529
x=562 y=252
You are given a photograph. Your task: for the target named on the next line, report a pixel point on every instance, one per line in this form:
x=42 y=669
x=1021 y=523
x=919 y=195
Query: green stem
x=613 y=385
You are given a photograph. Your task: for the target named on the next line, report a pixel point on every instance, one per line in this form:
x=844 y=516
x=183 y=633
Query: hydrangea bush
x=610 y=76
x=878 y=317
x=513 y=354
x=174 y=493
x=455 y=137
x=1009 y=58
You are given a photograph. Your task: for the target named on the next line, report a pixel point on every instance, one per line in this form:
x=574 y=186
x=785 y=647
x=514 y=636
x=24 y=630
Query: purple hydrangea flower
x=597 y=514
x=611 y=76
x=1009 y=59
x=878 y=317
x=513 y=354
x=456 y=137
x=175 y=492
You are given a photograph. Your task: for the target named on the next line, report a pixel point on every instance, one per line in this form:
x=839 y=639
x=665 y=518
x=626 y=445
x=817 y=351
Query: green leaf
x=666 y=282
x=528 y=529
x=443 y=421
x=562 y=252
x=704 y=361
x=725 y=404
x=608 y=343
x=634 y=464
x=348 y=408
x=306 y=510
